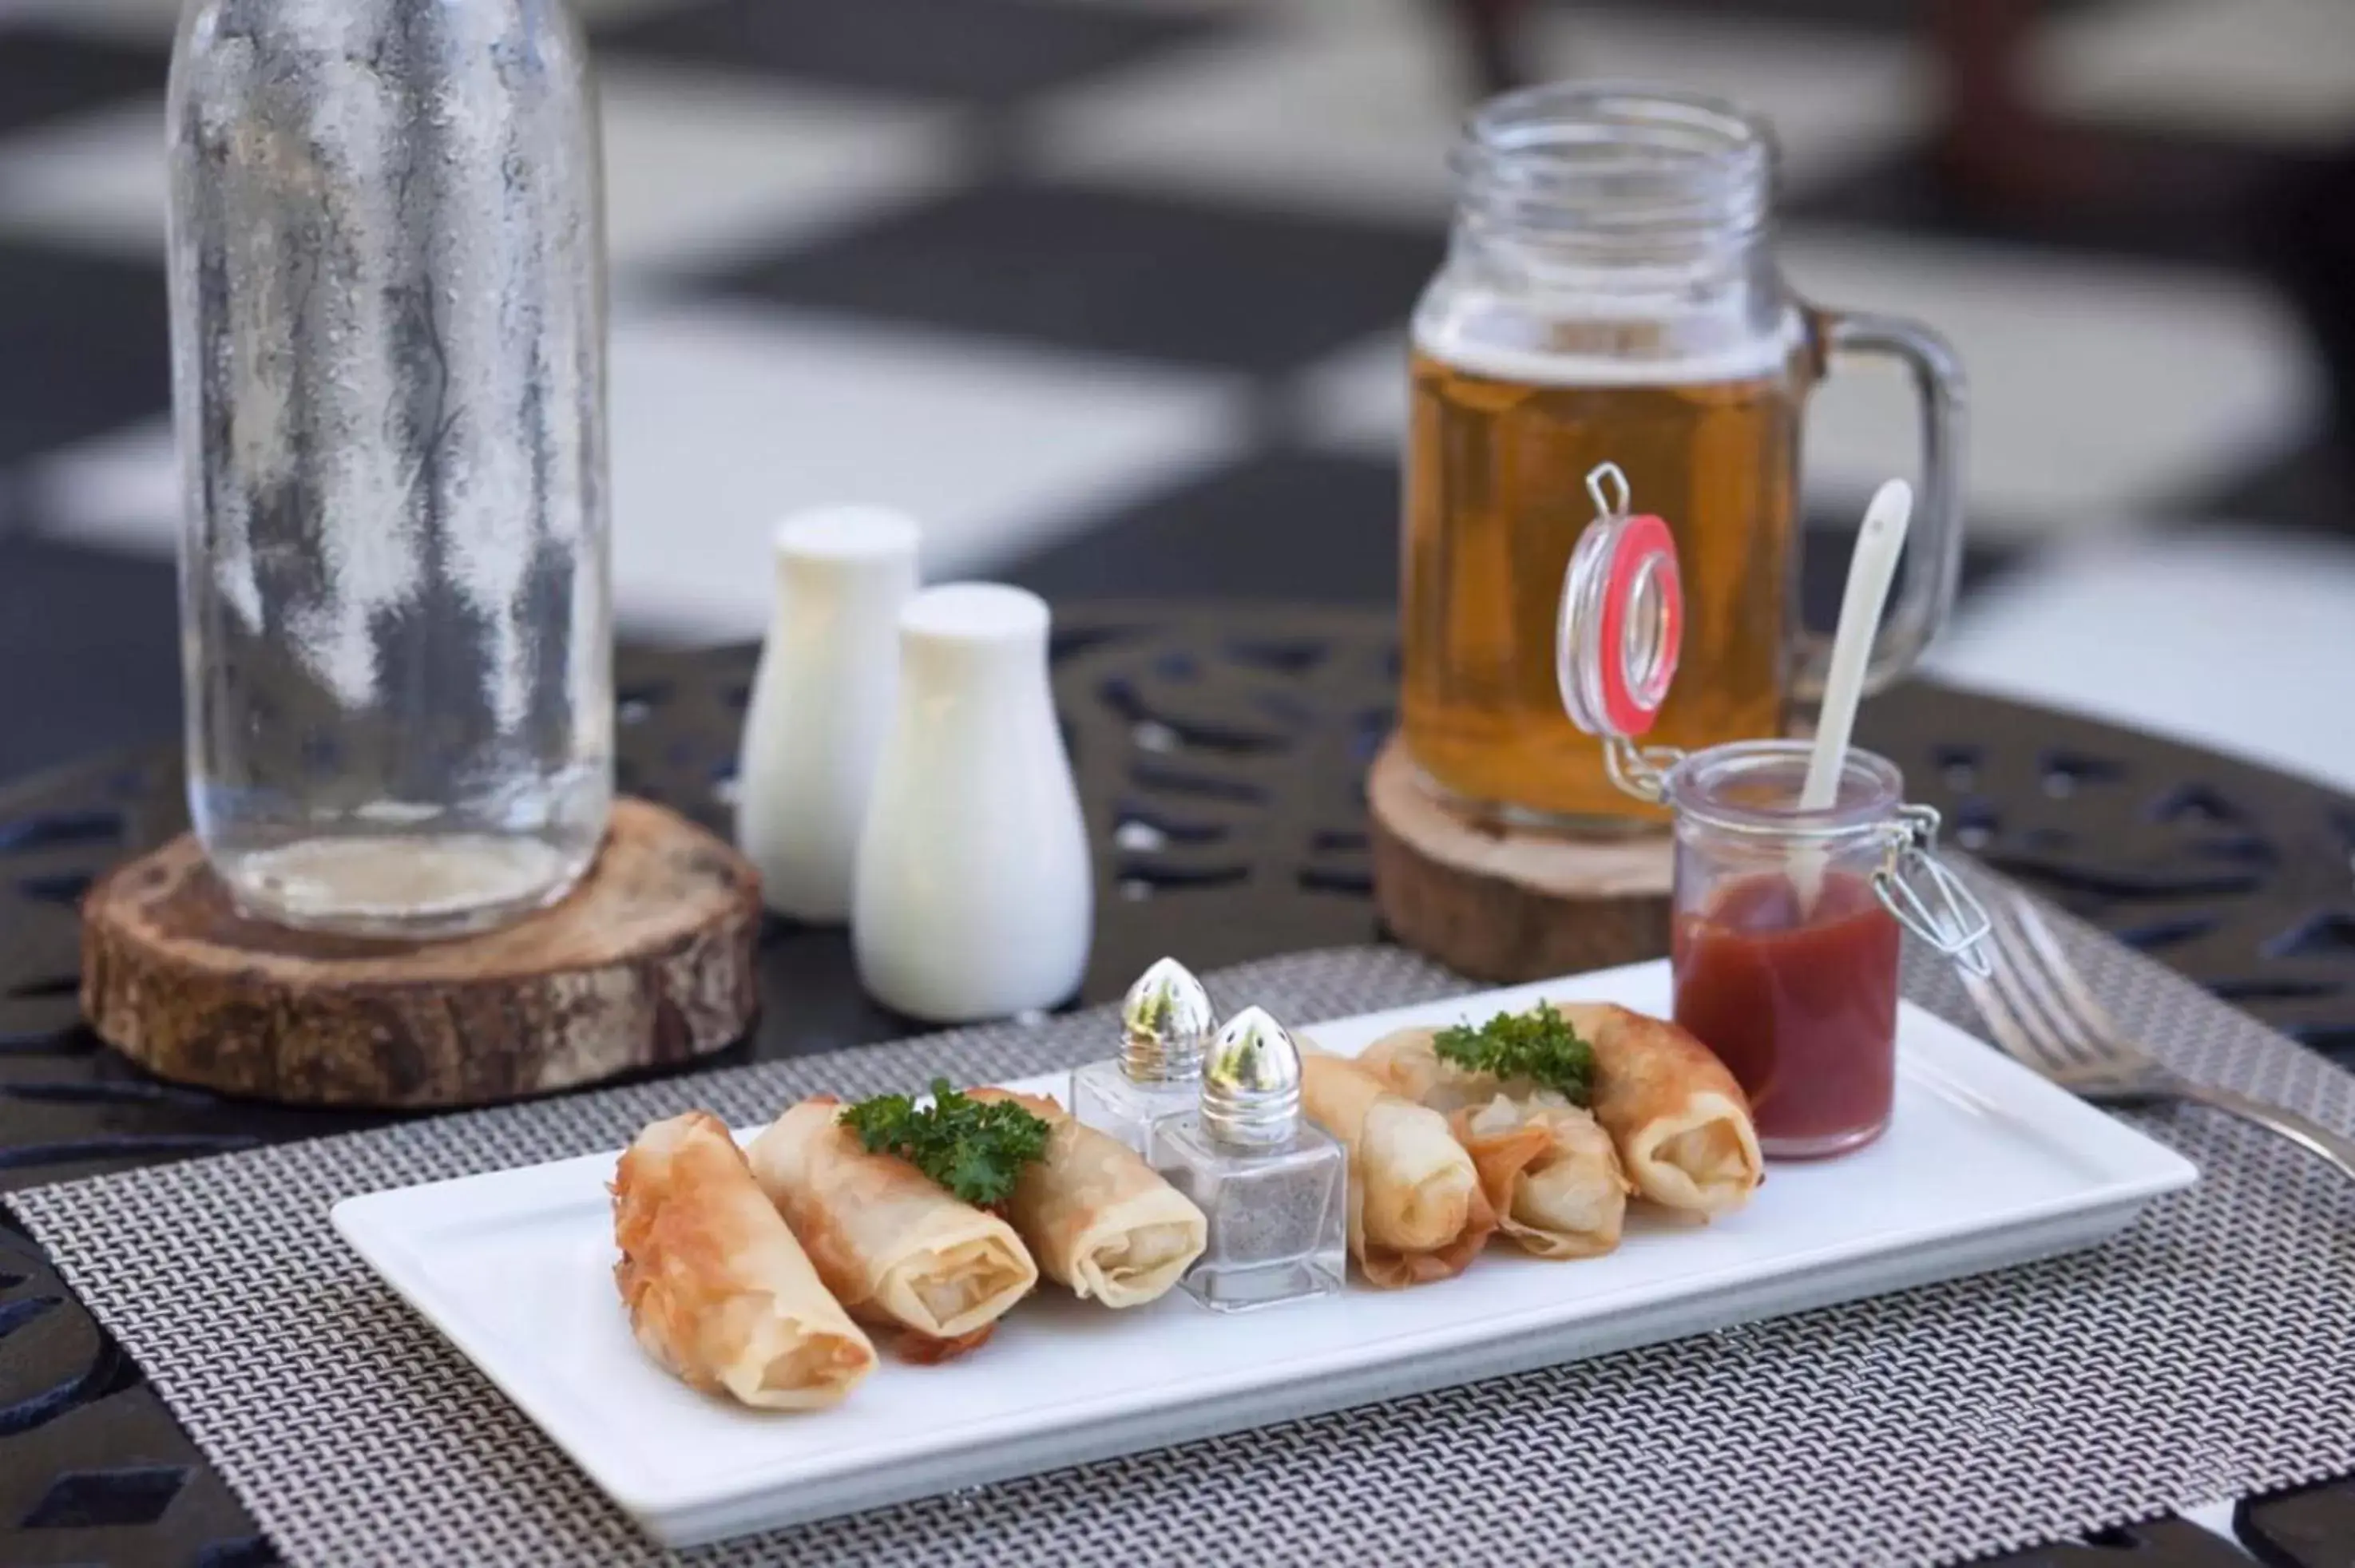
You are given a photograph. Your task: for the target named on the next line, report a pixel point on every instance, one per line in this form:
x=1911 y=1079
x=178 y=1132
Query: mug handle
x=1927 y=593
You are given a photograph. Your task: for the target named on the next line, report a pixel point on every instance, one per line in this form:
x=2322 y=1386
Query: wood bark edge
x=1502 y=903
x=648 y=962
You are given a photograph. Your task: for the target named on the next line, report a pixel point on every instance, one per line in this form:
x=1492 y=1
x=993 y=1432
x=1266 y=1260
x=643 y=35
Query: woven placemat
x=2205 y=1353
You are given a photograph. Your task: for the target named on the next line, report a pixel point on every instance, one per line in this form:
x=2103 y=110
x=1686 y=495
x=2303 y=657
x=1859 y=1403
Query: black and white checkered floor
x=1108 y=292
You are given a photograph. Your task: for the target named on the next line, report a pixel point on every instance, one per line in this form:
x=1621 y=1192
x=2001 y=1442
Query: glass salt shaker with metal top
x=1273 y=1187
x=1166 y=1020
x=1786 y=916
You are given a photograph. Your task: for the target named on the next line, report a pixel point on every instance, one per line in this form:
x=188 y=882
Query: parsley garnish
x=1540 y=1046
x=974 y=1149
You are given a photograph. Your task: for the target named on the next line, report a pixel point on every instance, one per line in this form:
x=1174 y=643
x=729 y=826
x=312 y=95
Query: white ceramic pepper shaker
x=975 y=897
x=821 y=704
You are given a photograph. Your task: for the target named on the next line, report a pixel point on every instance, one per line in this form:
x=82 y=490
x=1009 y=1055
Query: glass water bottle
x=388 y=322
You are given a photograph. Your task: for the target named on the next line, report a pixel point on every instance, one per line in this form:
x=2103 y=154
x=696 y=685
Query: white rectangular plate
x=1985 y=1165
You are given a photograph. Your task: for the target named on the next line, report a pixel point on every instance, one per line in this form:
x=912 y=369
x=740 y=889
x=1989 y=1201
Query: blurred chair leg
x=1485 y=29
x=1996 y=149
x=1990 y=140
x=2304 y=231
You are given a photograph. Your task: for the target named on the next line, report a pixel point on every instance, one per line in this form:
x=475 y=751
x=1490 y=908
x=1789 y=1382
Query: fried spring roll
x=1097 y=1218
x=1416 y=1209
x=1681 y=1123
x=1550 y=1172
x=718 y=1290
x=1408 y=1060
x=898 y=1250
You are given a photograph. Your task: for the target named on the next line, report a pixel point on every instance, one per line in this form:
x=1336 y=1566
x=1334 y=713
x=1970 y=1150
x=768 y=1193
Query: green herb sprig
x=1539 y=1046
x=973 y=1149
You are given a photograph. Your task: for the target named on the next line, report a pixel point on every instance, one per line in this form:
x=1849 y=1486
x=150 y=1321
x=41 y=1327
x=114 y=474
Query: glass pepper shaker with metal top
x=1164 y=1021
x=1786 y=916
x=1273 y=1187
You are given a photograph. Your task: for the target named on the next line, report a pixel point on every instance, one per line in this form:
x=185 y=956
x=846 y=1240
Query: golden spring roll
x=1099 y=1219
x=1681 y=1123
x=897 y=1250
x=1416 y=1210
x=718 y=1290
x=1550 y=1172
x=1409 y=1060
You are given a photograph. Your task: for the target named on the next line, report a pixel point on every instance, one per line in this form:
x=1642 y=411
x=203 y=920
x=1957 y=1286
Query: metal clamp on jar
x=1786 y=918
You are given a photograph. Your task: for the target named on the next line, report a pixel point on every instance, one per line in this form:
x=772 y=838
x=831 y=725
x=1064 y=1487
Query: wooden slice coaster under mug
x=648 y=961
x=1501 y=903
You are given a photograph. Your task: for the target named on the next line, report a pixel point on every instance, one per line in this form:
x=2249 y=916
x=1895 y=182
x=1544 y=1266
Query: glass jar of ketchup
x=1785 y=957
x=1788 y=921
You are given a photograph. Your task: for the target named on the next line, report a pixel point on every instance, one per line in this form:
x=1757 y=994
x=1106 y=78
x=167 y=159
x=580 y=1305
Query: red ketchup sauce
x=1801 y=1008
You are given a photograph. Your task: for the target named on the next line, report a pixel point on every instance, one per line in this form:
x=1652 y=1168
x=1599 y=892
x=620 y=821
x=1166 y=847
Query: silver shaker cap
x=1164 y=1021
x=1251 y=1081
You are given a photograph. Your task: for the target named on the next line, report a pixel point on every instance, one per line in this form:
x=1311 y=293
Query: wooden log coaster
x=648 y=961
x=1501 y=903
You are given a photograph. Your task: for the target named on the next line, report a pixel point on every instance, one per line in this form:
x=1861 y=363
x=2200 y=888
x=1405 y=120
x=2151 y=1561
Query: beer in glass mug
x=1610 y=295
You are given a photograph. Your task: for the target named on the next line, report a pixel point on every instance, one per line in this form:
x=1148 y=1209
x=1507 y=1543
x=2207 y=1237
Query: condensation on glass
x=388 y=312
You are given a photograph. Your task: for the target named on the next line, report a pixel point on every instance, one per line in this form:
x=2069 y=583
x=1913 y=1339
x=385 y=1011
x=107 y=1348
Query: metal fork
x=2042 y=1013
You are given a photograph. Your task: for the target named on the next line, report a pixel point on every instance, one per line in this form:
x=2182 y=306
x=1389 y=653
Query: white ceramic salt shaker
x=821 y=704
x=974 y=895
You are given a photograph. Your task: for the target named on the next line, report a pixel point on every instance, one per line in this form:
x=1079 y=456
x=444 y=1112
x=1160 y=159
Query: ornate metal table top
x=1219 y=753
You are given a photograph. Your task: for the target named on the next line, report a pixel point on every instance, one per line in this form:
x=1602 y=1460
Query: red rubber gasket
x=1641 y=539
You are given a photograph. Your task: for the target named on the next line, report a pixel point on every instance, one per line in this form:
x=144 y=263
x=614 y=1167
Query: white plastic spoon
x=1870 y=571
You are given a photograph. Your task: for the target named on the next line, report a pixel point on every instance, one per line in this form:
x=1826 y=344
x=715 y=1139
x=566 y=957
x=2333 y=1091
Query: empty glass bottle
x=388 y=312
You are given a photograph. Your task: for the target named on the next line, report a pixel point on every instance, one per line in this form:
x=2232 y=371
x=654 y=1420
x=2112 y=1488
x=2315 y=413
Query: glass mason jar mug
x=1785 y=916
x=1610 y=293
